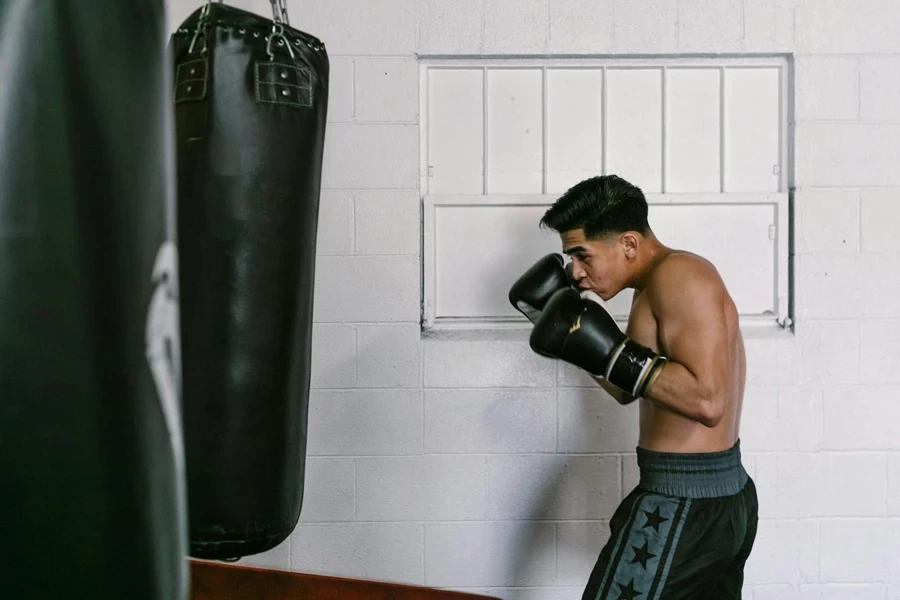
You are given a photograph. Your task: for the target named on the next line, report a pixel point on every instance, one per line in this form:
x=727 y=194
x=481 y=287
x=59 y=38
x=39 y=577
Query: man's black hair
x=601 y=206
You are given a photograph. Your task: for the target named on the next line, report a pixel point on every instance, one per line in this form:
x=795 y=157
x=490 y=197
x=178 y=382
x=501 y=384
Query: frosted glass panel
x=574 y=127
x=481 y=250
x=692 y=130
x=634 y=126
x=752 y=119
x=515 y=131
x=456 y=131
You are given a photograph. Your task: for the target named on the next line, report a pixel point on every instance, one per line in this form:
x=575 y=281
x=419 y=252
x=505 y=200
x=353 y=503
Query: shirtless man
x=687 y=529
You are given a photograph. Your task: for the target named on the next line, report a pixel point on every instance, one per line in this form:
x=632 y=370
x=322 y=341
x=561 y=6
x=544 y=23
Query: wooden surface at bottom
x=215 y=581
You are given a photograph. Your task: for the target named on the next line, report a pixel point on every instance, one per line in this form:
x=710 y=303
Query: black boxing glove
x=582 y=332
x=534 y=288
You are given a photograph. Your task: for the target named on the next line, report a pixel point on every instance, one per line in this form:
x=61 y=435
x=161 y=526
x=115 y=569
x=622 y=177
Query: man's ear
x=630 y=242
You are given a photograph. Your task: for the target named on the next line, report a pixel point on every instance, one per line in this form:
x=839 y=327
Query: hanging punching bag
x=250 y=101
x=91 y=460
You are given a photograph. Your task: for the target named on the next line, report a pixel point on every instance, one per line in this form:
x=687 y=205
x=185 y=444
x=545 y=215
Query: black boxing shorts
x=685 y=531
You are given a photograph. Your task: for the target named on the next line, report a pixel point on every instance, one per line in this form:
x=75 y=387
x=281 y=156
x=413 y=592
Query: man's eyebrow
x=574 y=249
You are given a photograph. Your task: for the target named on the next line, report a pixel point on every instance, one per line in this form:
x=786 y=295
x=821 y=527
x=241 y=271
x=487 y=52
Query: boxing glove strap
x=654 y=372
x=631 y=366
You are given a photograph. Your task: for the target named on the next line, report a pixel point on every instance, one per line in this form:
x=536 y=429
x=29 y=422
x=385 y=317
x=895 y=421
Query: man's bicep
x=692 y=332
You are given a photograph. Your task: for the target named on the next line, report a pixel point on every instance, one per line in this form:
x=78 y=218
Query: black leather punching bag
x=250 y=101
x=91 y=465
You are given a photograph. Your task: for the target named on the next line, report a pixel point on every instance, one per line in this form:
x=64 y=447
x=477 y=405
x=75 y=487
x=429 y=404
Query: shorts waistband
x=696 y=475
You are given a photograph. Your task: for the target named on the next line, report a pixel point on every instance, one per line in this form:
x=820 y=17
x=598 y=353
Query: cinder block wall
x=469 y=463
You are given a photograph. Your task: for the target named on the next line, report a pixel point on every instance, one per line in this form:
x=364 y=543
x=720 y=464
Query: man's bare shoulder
x=685 y=275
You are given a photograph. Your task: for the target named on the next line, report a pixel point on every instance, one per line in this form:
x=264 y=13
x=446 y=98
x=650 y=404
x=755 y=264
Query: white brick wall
x=466 y=461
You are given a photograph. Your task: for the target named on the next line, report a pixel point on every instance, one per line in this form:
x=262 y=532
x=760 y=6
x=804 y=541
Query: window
x=707 y=140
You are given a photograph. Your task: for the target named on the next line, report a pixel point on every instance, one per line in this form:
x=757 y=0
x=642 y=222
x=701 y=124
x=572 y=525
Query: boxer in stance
x=687 y=529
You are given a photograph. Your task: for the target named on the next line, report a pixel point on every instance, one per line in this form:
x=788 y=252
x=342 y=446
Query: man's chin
x=607 y=296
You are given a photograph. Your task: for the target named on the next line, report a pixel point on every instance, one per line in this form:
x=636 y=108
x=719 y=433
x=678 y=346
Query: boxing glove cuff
x=633 y=367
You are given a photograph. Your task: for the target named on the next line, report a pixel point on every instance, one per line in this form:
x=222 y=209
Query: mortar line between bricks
x=610 y=454
x=848 y=253
x=859 y=88
x=819 y=550
x=355 y=355
x=290 y=549
x=432 y=389
x=352 y=323
x=483 y=26
x=613 y=17
x=424 y=558
x=454 y=388
x=411 y=56
x=860 y=55
x=859 y=352
x=556 y=551
x=821 y=442
x=743 y=25
x=775 y=337
x=367 y=389
x=477 y=455
x=836 y=584
x=354 y=226
x=599 y=520
x=859 y=222
x=371 y=189
x=563 y=586
x=424 y=523
x=353 y=90
x=369 y=255
x=416 y=123
x=422 y=404
x=847 y=121
x=815 y=584
x=418 y=35
x=556 y=399
x=678 y=25
x=793 y=29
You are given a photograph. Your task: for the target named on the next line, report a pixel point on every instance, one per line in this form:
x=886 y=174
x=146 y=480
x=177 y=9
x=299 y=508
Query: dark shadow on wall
x=333 y=368
x=594 y=468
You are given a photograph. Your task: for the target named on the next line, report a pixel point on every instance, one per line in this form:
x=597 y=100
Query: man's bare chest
x=642 y=326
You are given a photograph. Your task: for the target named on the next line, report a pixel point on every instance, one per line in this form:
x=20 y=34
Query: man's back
x=675 y=275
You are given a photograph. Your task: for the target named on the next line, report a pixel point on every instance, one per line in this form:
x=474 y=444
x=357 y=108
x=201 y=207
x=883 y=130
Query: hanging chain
x=279 y=11
x=280 y=19
x=201 y=27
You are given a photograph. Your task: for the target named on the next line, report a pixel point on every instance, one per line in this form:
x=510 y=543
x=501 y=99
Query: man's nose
x=576 y=274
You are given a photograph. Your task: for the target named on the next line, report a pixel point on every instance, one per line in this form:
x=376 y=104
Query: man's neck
x=651 y=254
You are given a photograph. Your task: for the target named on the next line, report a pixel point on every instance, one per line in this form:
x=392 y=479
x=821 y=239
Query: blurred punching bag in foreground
x=91 y=458
x=250 y=101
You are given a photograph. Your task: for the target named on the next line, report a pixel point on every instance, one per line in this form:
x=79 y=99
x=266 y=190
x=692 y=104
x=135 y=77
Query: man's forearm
x=618 y=395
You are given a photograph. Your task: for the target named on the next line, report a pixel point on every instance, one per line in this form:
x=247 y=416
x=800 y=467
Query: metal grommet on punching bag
x=91 y=457
x=250 y=115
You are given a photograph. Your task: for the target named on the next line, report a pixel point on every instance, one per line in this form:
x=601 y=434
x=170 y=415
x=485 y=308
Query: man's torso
x=665 y=431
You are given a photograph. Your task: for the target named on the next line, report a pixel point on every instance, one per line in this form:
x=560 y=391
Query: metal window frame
x=782 y=200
